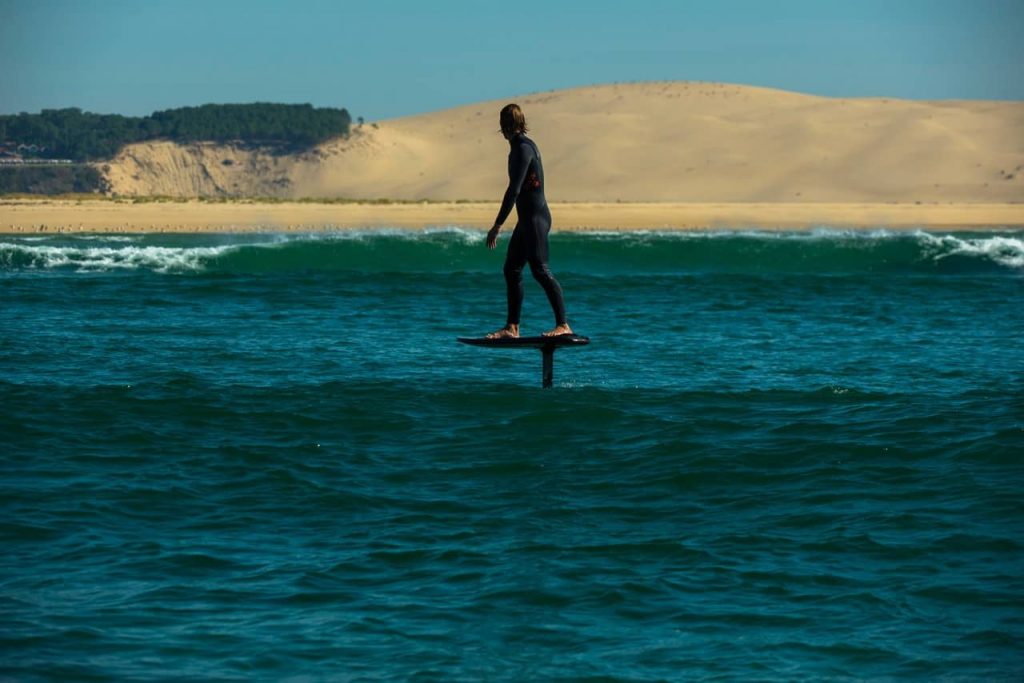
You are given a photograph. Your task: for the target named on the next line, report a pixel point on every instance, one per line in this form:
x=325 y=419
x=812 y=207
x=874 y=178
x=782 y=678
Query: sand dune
x=639 y=142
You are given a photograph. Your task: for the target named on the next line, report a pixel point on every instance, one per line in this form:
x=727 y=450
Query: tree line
x=50 y=180
x=83 y=136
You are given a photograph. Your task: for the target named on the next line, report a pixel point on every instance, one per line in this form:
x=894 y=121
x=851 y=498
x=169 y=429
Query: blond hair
x=512 y=119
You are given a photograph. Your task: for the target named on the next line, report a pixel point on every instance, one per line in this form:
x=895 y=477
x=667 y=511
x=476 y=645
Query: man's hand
x=492 y=237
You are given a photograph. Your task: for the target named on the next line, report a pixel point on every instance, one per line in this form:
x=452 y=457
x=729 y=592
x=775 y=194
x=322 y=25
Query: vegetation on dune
x=71 y=134
x=48 y=180
x=84 y=136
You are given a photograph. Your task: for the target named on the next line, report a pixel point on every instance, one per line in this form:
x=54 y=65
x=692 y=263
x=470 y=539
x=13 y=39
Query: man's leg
x=513 y=288
x=515 y=259
x=542 y=274
x=537 y=254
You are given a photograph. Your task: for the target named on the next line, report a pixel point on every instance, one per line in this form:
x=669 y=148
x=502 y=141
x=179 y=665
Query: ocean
x=783 y=456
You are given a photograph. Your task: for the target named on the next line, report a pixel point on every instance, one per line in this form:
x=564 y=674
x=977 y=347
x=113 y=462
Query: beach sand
x=106 y=216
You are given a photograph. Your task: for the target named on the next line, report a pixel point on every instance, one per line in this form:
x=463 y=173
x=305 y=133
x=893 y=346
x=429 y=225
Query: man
x=529 y=242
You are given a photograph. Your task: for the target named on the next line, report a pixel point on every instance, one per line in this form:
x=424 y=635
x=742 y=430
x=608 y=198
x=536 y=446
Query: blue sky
x=386 y=58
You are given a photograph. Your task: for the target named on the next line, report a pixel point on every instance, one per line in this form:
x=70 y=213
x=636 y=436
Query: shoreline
x=32 y=216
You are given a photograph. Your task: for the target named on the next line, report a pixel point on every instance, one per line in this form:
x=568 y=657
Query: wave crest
x=453 y=250
x=160 y=259
x=1004 y=250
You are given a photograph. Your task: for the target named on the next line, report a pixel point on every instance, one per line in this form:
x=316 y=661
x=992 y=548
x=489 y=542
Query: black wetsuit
x=529 y=242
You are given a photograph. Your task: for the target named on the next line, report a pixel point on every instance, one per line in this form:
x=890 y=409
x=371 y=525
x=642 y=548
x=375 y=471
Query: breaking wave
x=460 y=250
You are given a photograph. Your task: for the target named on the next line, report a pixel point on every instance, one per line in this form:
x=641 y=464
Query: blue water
x=784 y=456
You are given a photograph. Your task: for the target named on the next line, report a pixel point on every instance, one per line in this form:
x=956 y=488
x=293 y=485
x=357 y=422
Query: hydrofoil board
x=547 y=346
x=527 y=342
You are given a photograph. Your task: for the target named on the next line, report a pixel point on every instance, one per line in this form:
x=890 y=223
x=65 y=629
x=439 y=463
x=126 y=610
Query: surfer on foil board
x=529 y=241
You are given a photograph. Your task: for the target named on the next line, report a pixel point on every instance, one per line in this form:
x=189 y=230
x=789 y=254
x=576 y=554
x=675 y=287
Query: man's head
x=512 y=121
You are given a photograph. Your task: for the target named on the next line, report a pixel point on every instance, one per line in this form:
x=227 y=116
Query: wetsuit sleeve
x=518 y=163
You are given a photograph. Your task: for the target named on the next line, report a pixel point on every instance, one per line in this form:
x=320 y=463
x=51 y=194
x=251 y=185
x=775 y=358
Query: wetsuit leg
x=537 y=256
x=543 y=275
x=515 y=259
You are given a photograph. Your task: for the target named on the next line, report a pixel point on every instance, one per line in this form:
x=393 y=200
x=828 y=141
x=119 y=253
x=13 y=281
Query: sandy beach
x=104 y=216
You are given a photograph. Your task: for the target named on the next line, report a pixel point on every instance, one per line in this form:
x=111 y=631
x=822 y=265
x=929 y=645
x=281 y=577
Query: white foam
x=106 y=238
x=814 y=235
x=276 y=239
x=90 y=259
x=465 y=235
x=106 y=256
x=1006 y=251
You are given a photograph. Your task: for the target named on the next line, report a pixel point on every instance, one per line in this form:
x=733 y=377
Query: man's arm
x=519 y=164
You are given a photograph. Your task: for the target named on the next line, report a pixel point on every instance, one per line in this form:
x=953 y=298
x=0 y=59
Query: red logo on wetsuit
x=532 y=181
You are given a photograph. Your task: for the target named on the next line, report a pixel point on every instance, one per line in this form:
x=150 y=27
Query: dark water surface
x=783 y=456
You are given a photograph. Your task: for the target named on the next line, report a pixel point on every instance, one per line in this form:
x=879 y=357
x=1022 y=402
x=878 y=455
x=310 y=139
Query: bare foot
x=560 y=330
x=507 y=332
